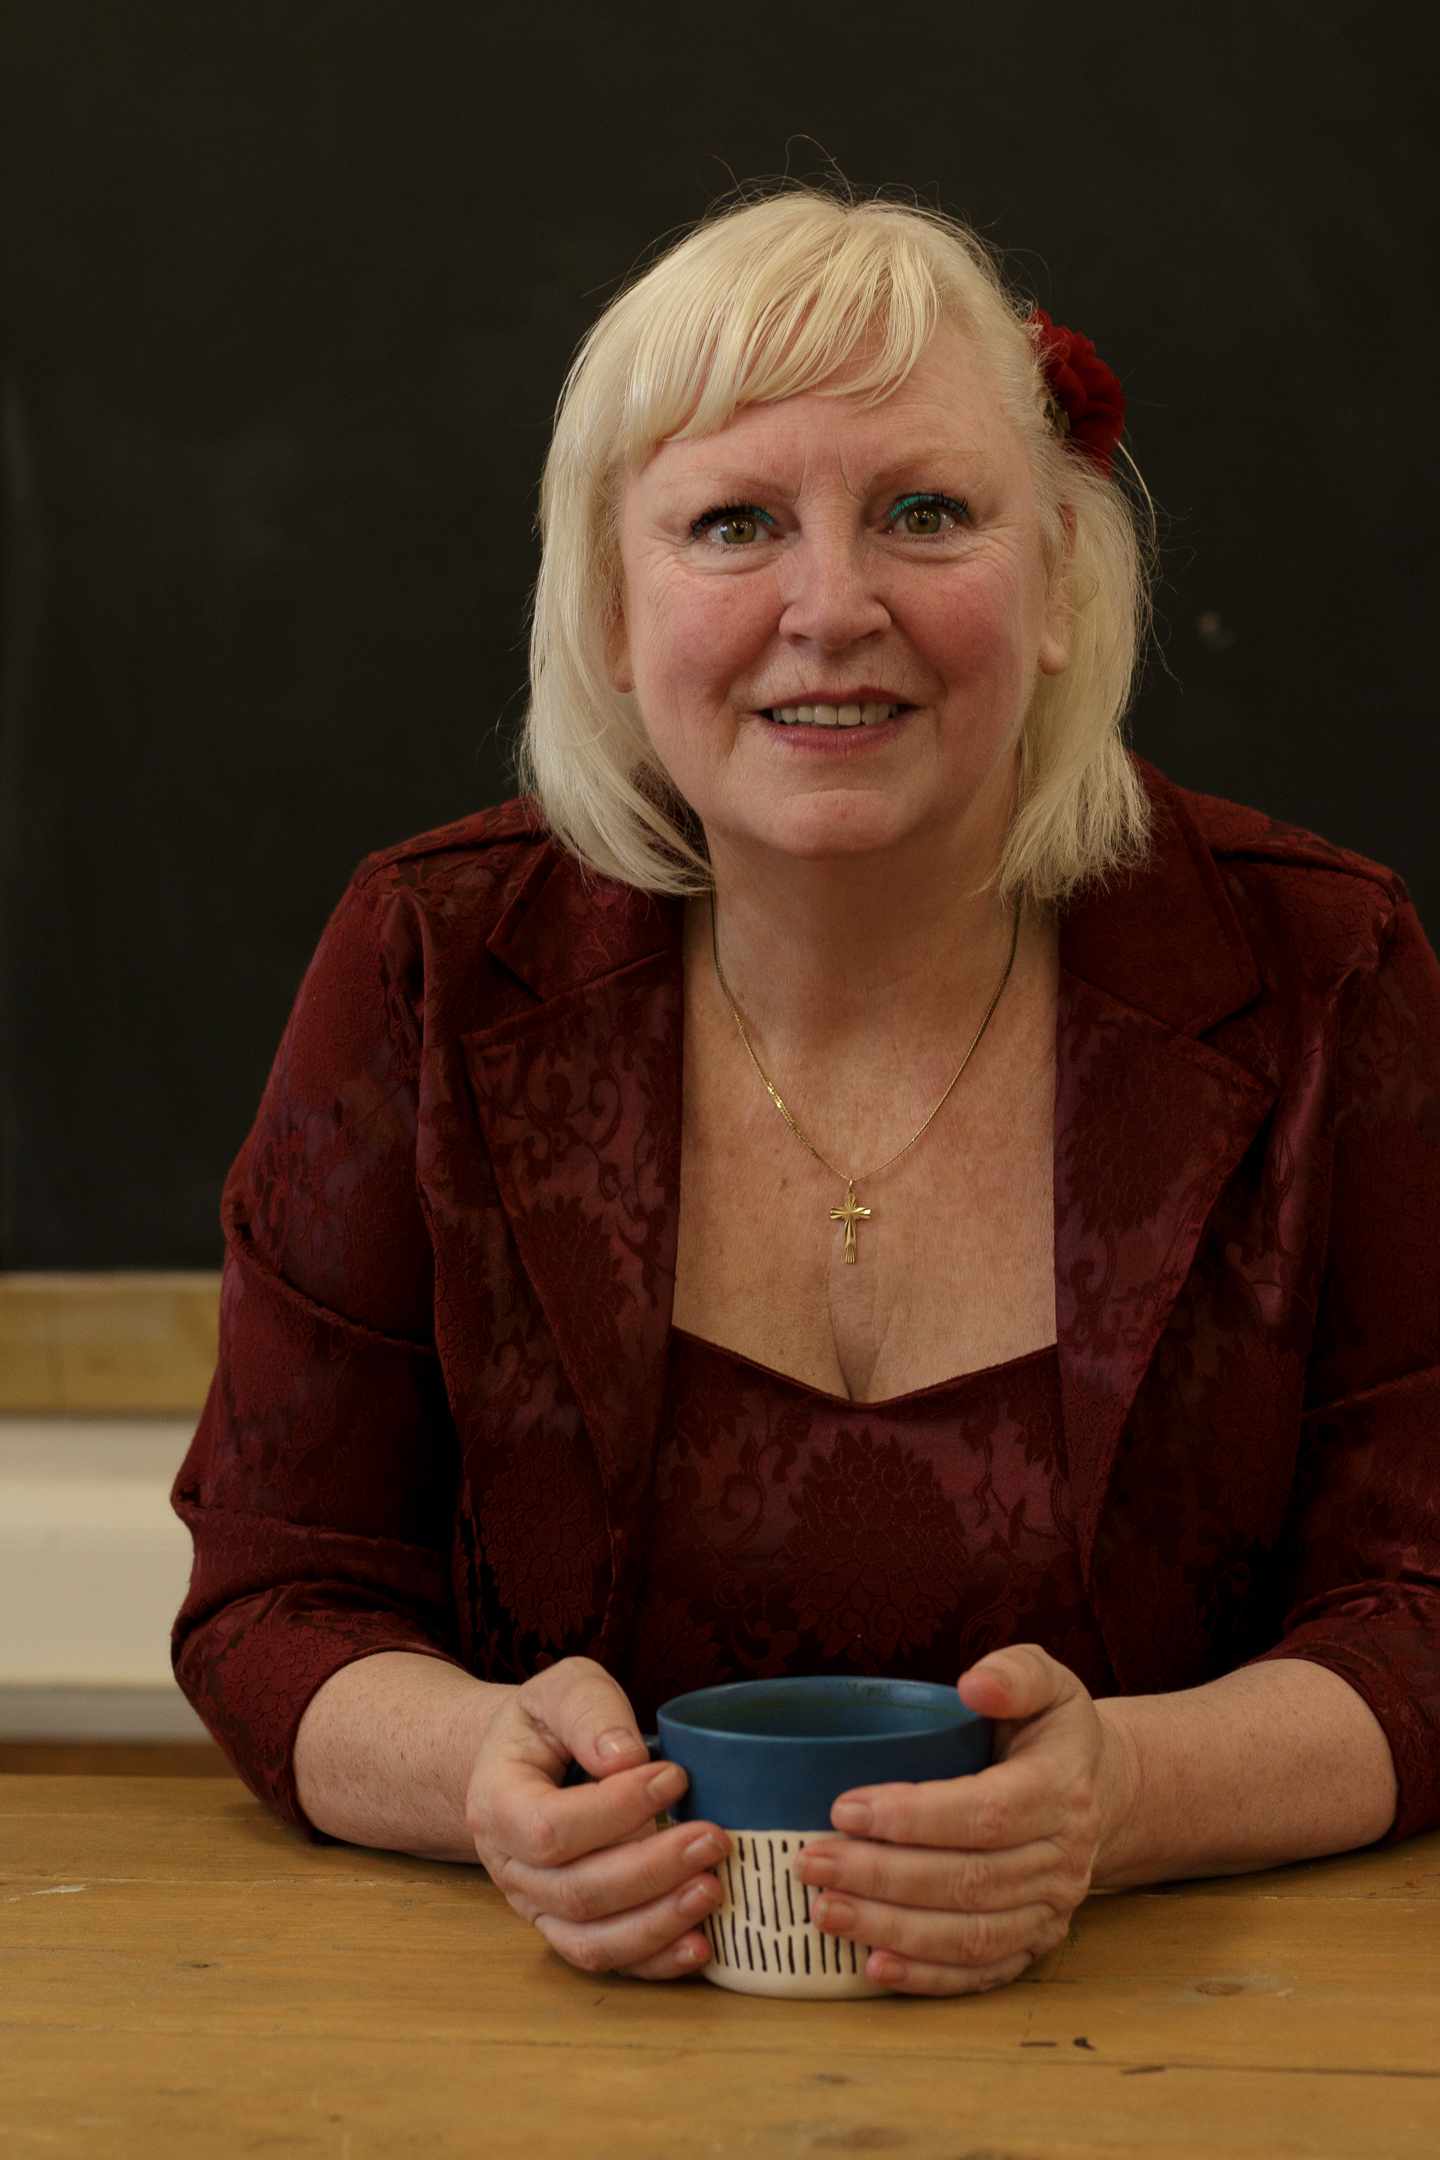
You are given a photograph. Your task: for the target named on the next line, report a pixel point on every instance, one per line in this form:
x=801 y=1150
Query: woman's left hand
x=961 y=1884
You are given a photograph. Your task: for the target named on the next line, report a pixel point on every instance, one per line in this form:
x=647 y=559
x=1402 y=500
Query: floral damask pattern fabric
x=446 y=1339
x=906 y=1537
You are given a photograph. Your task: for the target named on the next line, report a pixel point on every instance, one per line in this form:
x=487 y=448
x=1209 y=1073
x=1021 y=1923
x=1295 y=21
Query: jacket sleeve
x=319 y=1489
x=1360 y=1561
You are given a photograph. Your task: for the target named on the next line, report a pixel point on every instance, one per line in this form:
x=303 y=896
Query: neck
x=816 y=952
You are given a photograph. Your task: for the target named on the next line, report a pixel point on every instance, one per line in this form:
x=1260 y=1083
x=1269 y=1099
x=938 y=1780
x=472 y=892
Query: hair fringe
x=774 y=293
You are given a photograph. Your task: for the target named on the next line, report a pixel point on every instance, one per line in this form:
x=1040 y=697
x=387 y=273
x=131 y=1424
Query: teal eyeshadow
x=943 y=502
x=714 y=517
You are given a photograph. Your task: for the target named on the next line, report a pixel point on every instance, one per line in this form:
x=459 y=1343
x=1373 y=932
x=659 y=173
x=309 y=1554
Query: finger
x=626 y=1941
x=585 y=1711
x=976 y=1941
x=933 y=1878
x=912 y=1976
x=616 y=1880
x=525 y=1815
x=1017 y=1682
x=675 y=1961
x=1028 y=1797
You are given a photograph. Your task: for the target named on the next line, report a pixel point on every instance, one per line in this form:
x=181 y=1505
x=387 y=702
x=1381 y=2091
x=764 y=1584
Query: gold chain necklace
x=851 y=1212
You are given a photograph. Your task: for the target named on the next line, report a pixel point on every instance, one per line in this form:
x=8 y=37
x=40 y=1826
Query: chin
x=821 y=832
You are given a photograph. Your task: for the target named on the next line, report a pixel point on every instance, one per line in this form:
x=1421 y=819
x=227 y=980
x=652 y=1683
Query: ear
x=1054 y=654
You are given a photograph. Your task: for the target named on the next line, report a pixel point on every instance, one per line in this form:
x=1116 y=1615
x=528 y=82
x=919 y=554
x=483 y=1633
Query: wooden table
x=183 y=1975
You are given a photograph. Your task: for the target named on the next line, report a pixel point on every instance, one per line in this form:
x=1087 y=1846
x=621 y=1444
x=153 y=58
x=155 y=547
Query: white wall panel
x=93 y=1566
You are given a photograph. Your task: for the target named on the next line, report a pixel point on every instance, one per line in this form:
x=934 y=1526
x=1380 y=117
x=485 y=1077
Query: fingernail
x=618 y=1742
x=880 y=1967
x=691 y=1953
x=833 y=1912
x=704 y=1850
x=667 y=1784
x=699 y=1897
x=852 y=1815
x=816 y=1868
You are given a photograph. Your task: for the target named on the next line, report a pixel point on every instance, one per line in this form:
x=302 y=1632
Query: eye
x=921 y=517
x=736 y=525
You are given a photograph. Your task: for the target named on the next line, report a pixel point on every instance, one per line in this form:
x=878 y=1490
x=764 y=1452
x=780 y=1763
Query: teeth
x=832 y=715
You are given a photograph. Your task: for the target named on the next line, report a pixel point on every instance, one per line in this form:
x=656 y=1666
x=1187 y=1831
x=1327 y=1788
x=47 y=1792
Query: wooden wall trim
x=117 y=1343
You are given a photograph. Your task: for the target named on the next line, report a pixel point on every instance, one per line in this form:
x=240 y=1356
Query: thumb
x=1015 y=1683
x=579 y=1706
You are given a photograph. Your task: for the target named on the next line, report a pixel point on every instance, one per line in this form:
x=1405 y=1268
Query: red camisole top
x=798 y=1532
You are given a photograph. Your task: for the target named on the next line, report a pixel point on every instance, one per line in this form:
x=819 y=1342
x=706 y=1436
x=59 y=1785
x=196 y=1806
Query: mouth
x=869 y=714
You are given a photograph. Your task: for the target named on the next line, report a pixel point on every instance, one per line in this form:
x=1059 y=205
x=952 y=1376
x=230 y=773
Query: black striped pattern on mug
x=764 y=1924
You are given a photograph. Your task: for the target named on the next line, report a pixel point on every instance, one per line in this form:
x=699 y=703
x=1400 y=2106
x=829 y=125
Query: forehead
x=949 y=403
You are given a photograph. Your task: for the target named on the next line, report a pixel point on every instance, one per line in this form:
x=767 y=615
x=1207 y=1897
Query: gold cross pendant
x=850 y=1214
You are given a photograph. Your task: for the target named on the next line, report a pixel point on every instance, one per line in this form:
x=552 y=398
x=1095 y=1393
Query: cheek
x=692 y=644
x=696 y=633
x=981 y=632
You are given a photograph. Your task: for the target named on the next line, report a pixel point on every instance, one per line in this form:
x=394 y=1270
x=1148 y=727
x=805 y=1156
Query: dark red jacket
x=452 y=1250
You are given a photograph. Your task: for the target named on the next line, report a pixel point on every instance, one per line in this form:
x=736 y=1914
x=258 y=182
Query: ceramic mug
x=767 y=1759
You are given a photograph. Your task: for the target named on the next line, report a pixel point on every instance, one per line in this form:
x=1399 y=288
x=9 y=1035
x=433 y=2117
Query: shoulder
x=1232 y=911
x=1289 y=888
x=438 y=898
x=415 y=920
x=1233 y=833
x=473 y=922
x=481 y=858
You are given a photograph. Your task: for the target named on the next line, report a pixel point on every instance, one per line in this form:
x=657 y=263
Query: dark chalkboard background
x=289 y=290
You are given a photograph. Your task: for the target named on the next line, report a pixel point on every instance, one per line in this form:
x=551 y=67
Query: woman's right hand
x=585 y=1863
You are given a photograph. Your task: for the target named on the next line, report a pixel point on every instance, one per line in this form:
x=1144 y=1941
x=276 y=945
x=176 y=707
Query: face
x=834 y=616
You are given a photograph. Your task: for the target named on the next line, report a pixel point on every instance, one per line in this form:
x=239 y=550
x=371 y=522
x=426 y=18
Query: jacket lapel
x=1150 y=1125
x=579 y=1102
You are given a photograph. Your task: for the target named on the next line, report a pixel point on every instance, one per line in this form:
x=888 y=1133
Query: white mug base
x=762 y=1939
x=836 y=1987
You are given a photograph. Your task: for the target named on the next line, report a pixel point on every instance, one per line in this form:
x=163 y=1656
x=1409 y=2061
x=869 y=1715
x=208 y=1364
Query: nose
x=829 y=595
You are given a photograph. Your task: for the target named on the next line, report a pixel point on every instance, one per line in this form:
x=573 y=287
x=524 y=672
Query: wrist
x=1121 y=1795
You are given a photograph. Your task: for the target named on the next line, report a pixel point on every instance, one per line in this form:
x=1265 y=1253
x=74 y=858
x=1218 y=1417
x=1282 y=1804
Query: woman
x=850 y=1172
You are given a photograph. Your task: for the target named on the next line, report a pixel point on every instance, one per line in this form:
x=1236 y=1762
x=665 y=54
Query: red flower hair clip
x=1087 y=403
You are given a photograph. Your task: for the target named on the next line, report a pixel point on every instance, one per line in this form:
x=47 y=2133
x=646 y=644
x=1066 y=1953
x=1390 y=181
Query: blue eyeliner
x=713 y=517
x=941 y=502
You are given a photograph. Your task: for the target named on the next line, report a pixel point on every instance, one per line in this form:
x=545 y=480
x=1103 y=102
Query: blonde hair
x=801 y=291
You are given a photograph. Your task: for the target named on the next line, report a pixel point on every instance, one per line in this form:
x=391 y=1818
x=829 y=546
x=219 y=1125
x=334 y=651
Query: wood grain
x=113 y=1758
x=120 y=1343
x=218 y=1985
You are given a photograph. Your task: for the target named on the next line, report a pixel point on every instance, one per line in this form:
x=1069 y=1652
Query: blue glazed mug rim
x=682 y=1709
x=749 y=1778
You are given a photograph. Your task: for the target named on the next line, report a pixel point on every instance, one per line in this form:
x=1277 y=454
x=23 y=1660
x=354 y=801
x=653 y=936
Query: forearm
x=1277 y=1762
x=385 y=1751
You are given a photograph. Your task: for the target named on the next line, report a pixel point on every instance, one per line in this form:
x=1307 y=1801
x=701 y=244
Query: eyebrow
x=742 y=481
x=738 y=481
